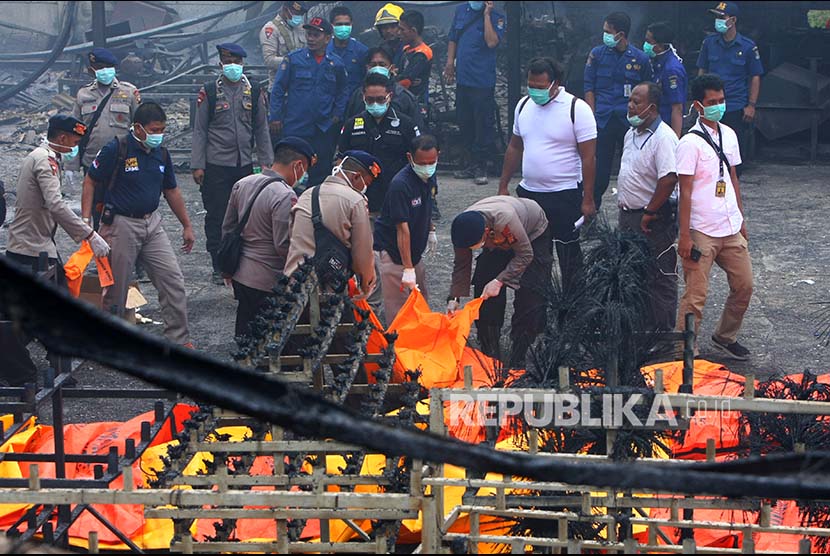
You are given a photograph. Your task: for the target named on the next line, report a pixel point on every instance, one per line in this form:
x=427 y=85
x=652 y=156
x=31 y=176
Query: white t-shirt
x=551 y=159
x=711 y=215
x=646 y=157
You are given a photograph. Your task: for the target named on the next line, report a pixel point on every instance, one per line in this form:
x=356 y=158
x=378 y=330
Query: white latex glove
x=492 y=289
x=366 y=291
x=432 y=243
x=408 y=279
x=99 y=246
x=452 y=307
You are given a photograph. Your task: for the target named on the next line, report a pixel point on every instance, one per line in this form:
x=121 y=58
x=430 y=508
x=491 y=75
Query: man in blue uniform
x=669 y=73
x=476 y=31
x=611 y=72
x=309 y=96
x=351 y=51
x=736 y=60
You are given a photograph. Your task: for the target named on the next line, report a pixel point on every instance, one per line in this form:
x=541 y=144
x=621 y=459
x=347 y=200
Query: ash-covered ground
x=786 y=206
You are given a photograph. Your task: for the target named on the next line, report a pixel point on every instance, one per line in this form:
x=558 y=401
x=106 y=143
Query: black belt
x=134 y=215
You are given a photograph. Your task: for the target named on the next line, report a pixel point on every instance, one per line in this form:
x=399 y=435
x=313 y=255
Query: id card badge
x=627 y=90
x=720 y=189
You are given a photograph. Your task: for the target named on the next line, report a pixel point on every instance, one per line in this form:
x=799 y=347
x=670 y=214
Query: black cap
x=297 y=7
x=319 y=24
x=62 y=122
x=232 y=49
x=726 y=8
x=467 y=229
x=299 y=145
x=102 y=56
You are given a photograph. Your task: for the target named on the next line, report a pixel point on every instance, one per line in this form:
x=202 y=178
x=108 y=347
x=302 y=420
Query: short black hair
x=382 y=50
x=703 y=83
x=662 y=32
x=414 y=19
x=376 y=79
x=620 y=22
x=339 y=10
x=425 y=142
x=546 y=65
x=149 y=111
x=653 y=91
x=286 y=155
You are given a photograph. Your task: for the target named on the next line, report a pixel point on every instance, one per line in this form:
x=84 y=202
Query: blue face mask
x=154 y=140
x=609 y=40
x=376 y=110
x=539 y=96
x=424 y=171
x=105 y=76
x=721 y=25
x=714 y=113
x=477 y=6
x=380 y=69
x=295 y=20
x=66 y=157
x=342 y=32
x=232 y=71
x=637 y=120
x=648 y=48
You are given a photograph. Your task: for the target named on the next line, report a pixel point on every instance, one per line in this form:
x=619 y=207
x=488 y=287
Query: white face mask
x=339 y=170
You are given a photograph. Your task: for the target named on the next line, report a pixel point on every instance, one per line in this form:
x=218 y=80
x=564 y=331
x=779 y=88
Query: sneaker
x=733 y=350
x=466 y=174
x=481 y=178
x=217 y=279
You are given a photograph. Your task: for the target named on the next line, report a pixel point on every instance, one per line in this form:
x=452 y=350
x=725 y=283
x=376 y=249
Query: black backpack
x=210 y=92
x=230 y=246
x=332 y=260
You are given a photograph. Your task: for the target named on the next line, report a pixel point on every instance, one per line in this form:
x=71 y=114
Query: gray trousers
x=390 y=279
x=144 y=240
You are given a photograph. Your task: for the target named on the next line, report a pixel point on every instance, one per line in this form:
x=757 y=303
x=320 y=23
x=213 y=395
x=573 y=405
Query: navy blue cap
x=726 y=8
x=232 y=48
x=62 y=122
x=102 y=56
x=297 y=7
x=299 y=145
x=467 y=229
x=320 y=24
x=369 y=162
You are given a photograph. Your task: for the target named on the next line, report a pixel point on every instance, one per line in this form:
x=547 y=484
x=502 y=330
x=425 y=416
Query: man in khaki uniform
x=231 y=118
x=40 y=208
x=344 y=212
x=282 y=35
x=116 y=113
x=518 y=254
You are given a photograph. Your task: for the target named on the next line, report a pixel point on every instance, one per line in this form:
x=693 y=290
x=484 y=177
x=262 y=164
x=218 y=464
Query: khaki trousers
x=390 y=280
x=732 y=255
x=144 y=240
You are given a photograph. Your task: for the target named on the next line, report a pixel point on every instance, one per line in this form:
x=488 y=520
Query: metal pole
x=514 y=58
x=99 y=24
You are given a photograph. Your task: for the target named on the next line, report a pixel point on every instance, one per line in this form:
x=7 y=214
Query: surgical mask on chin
x=476 y=6
x=715 y=112
x=342 y=32
x=637 y=120
x=295 y=20
x=609 y=40
x=376 y=110
x=232 y=71
x=721 y=25
x=380 y=69
x=424 y=171
x=539 y=96
x=105 y=76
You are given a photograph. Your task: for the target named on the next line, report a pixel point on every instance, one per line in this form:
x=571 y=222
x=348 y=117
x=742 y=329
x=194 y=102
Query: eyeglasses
x=376 y=100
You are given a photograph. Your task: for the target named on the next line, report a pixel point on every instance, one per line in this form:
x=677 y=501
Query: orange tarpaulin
x=75 y=267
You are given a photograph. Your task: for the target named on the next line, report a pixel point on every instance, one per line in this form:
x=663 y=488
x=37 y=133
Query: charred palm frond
x=821 y=316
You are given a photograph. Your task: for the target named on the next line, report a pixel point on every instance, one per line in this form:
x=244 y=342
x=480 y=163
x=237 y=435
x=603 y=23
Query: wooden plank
x=245 y=513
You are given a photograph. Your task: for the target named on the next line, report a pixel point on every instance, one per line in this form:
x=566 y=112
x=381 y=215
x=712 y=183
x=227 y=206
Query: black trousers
x=475 y=109
x=743 y=130
x=608 y=139
x=31 y=262
x=325 y=144
x=250 y=301
x=216 y=191
x=662 y=280
x=529 y=304
x=562 y=208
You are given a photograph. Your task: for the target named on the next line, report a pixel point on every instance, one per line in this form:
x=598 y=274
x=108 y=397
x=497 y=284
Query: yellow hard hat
x=390 y=13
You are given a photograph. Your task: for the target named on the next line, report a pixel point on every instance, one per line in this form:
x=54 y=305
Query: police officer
x=380 y=61
x=231 y=118
x=39 y=206
x=135 y=171
x=343 y=212
x=404 y=232
x=476 y=31
x=381 y=131
x=669 y=73
x=735 y=59
x=387 y=22
x=517 y=254
x=309 y=96
x=351 y=51
x=611 y=72
x=265 y=238
x=282 y=35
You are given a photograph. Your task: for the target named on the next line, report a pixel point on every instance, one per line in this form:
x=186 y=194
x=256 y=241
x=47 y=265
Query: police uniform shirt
x=139 y=182
x=277 y=39
x=115 y=119
x=734 y=62
x=389 y=140
x=354 y=58
x=224 y=138
x=670 y=74
x=409 y=200
x=307 y=95
x=611 y=75
x=475 y=61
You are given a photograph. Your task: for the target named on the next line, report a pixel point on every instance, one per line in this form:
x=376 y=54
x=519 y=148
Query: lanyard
x=634 y=139
x=718 y=149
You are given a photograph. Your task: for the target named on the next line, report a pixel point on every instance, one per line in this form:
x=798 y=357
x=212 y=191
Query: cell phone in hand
x=695 y=254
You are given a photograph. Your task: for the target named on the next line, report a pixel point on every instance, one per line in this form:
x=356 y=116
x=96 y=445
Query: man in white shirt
x=711 y=221
x=554 y=138
x=647 y=179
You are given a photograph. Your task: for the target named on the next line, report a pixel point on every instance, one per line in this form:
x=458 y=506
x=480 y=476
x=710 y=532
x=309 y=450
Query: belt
x=136 y=215
x=626 y=209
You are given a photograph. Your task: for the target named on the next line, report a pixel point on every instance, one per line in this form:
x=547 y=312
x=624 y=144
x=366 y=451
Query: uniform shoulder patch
x=500 y=23
x=137 y=95
x=269 y=30
x=202 y=96
x=757 y=54
x=672 y=82
x=54 y=165
x=508 y=235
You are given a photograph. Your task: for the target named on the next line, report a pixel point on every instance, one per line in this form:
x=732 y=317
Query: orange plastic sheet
x=75 y=267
